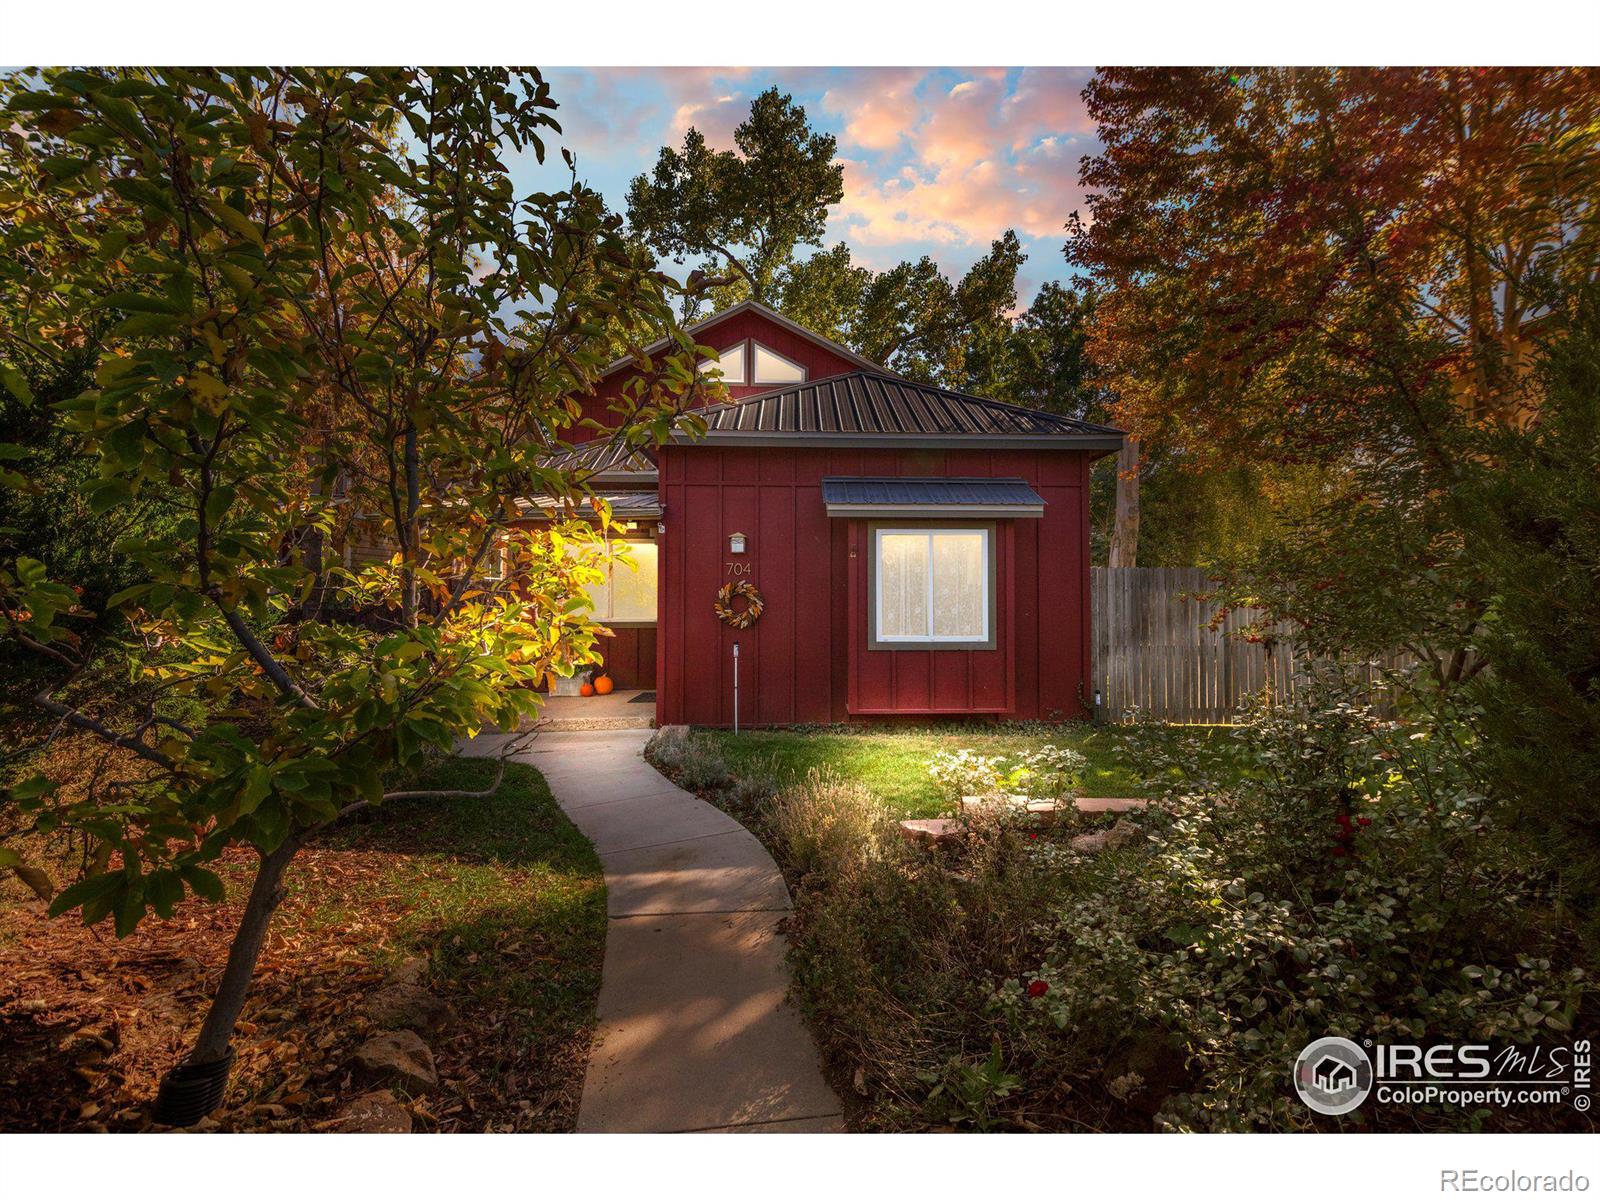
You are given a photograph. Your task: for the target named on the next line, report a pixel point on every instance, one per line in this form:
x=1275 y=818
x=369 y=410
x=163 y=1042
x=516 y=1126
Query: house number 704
x=738 y=568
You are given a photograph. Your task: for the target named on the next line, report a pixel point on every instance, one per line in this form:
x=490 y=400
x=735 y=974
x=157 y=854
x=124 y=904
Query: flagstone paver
x=695 y=1033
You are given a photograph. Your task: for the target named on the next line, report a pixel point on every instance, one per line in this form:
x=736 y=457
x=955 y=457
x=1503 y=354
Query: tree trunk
x=265 y=894
x=408 y=534
x=1125 y=532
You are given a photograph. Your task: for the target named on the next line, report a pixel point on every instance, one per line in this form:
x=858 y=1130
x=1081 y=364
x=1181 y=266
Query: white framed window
x=730 y=363
x=492 y=566
x=933 y=586
x=628 y=594
x=772 y=367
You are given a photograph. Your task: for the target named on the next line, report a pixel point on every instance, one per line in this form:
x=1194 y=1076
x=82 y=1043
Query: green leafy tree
x=1532 y=528
x=310 y=279
x=746 y=210
x=914 y=320
x=825 y=293
x=1047 y=363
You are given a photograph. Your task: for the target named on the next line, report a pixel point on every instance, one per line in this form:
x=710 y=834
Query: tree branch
x=429 y=794
x=73 y=717
x=254 y=647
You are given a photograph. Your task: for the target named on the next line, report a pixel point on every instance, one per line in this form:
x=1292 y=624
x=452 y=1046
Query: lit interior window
x=932 y=585
x=772 y=367
x=731 y=364
x=628 y=592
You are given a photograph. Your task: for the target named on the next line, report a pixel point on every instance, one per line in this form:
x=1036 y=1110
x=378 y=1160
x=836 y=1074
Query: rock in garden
x=376 y=1112
x=410 y=971
x=1124 y=833
x=397 y=1058
x=406 y=1006
x=930 y=831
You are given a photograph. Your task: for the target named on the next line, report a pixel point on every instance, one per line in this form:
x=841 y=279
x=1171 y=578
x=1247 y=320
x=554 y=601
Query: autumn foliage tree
x=304 y=284
x=1340 y=268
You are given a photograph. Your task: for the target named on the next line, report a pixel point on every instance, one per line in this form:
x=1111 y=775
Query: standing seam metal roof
x=870 y=402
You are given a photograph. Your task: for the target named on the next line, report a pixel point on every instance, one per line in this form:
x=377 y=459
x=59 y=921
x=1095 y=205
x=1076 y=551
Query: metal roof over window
x=870 y=408
x=932 y=497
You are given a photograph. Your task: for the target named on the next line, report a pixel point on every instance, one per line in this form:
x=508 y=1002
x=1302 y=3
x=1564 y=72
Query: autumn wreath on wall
x=739 y=618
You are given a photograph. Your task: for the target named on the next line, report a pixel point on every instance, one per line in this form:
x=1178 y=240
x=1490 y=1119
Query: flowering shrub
x=1048 y=773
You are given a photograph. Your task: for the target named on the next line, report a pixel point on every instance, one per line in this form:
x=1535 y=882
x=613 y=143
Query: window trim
x=876 y=641
x=755 y=370
x=743 y=347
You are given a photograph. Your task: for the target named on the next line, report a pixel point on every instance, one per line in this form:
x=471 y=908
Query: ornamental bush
x=1349 y=882
x=1048 y=773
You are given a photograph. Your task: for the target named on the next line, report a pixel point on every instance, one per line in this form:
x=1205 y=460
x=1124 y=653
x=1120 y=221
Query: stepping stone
x=1045 y=810
x=1123 y=833
x=406 y=1006
x=930 y=831
x=1112 y=804
x=376 y=1112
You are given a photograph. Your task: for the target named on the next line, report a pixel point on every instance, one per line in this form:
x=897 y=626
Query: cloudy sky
x=936 y=161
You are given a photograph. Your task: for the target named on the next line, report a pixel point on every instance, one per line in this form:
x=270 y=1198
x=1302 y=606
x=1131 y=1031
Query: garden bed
x=1164 y=972
x=503 y=898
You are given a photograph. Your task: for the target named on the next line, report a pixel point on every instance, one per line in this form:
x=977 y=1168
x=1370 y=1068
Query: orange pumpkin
x=603 y=685
x=586 y=690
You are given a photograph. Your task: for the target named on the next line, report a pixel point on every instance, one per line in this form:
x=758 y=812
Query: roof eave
x=1104 y=443
x=983 y=512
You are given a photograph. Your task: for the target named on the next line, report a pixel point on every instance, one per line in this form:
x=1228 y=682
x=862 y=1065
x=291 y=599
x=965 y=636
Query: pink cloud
x=1047 y=100
x=962 y=202
x=715 y=116
x=879 y=105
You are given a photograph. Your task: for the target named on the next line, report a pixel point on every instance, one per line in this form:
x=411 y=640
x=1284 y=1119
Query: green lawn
x=894 y=764
x=506 y=897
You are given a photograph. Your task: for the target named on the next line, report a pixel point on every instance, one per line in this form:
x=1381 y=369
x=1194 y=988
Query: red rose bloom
x=1363 y=820
x=1338 y=851
x=1038 y=988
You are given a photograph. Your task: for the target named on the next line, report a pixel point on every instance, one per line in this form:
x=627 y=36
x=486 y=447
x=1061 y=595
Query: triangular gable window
x=731 y=364
x=772 y=367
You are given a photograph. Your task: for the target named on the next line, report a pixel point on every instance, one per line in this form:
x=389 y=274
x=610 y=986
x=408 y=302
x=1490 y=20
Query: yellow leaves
x=208 y=390
x=214 y=344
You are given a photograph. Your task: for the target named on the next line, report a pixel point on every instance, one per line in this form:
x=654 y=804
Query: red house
x=918 y=552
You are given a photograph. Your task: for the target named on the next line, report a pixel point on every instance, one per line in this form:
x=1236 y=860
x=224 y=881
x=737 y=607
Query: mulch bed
x=88 y=1023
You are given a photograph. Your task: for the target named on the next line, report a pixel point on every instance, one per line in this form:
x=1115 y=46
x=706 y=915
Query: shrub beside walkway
x=694 y=1030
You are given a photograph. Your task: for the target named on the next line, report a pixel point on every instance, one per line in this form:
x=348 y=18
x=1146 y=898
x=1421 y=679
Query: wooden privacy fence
x=1155 y=650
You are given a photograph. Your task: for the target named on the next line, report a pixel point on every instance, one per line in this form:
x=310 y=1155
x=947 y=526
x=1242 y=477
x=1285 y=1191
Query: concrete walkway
x=694 y=1033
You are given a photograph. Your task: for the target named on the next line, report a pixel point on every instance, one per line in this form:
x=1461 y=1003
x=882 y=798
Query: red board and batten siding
x=819 y=362
x=629 y=655
x=807 y=658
